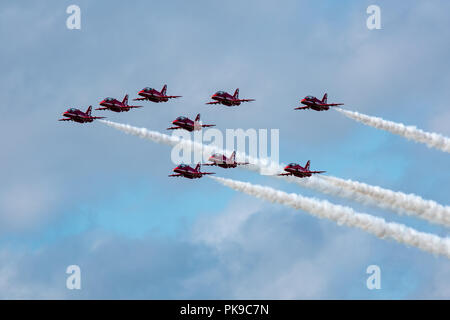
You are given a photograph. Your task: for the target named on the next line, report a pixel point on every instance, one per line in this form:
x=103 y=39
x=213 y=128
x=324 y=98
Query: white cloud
x=214 y=230
x=440 y=122
x=25 y=205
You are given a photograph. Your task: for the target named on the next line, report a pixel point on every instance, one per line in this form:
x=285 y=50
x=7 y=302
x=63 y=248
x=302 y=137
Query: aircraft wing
x=209 y=164
x=175 y=175
x=284 y=174
x=131 y=107
x=330 y=104
x=104 y=108
x=313 y=172
x=245 y=100
x=302 y=108
x=97 y=117
x=208 y=125
x=65 y=119
x=173 y=128
x=139 y=99
x=213 y=102
x=171 y=97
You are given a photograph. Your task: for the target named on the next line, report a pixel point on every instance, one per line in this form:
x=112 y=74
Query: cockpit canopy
x=292 y=164
x=181 y=118
x=220 y=92
x=148 y=89
x=109 y=99
x=309 y=97
x=182 y=166
x=72 y=110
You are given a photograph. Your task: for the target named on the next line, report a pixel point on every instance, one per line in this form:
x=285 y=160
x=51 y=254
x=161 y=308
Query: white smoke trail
x=400 y=202
x=256 y=164
x=346 y=216
x=432 y=140
x=366 y=194
x=150 y=135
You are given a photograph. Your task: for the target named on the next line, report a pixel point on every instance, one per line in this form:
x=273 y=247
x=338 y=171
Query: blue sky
x=95 y=197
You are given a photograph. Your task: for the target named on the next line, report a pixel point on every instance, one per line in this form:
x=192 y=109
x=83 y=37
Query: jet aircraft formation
x=182 y=122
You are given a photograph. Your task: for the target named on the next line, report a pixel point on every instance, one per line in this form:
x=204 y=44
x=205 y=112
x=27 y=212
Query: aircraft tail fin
x=236 y=94
x=197 y=167
x=125 y=100
x=89 y=110
x=307 y=165
x=325 y=98
x=233 y=156
x=197 y=124
x=164 y=90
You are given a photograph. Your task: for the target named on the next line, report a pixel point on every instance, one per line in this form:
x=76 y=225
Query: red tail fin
x=89 y=110
x=233 y=156
x=125 y=100
x=164 y=90
x=325 y=98
x=197 y=167
x=307 y=165
x=197 y=125
x=236 y=94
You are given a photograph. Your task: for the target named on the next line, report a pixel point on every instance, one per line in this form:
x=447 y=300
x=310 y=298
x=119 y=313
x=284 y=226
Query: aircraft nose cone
x=287 y=167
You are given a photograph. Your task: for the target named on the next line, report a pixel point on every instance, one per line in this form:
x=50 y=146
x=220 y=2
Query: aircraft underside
x=318 y=108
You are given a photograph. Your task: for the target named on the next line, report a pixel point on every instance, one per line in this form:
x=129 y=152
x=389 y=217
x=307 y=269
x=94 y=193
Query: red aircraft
x=311 y=102
x=222 y=97
x=222 y=161
x=115 y=105
x=188 y=124
x=79 y=116
x=154 y=95
x=294 y=169
x=183 y=170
